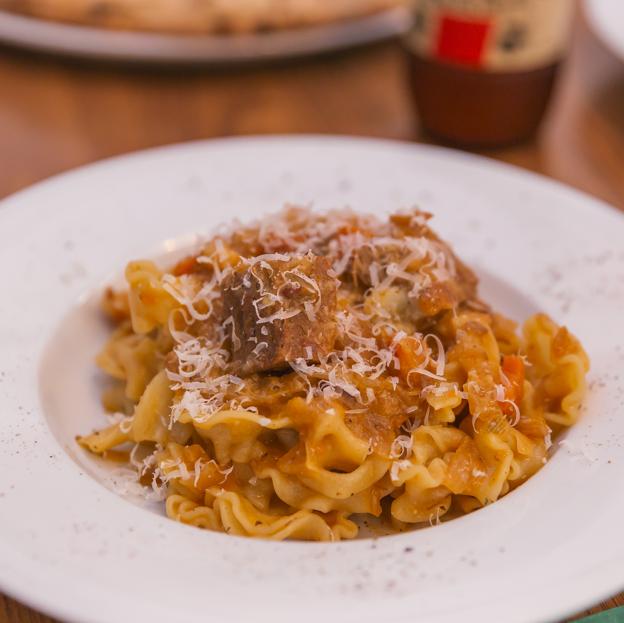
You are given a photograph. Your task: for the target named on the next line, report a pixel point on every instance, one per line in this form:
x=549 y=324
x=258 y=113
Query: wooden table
x=56 y=115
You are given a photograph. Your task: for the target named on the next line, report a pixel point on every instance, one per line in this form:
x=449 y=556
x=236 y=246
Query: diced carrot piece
x=411 y=354
x=513 y=369
x=185 y=266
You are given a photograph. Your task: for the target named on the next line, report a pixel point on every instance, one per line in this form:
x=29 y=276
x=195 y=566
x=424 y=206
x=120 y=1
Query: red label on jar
x=462 y=41
x=494 y=35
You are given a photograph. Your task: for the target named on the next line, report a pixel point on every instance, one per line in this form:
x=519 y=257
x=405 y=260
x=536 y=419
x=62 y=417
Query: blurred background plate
x=82 y=41
x=606 y=18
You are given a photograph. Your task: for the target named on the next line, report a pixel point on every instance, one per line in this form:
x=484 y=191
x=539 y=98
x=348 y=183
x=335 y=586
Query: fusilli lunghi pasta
x=298 y=374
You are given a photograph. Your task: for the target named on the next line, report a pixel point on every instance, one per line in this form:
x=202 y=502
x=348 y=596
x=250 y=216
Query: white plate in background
x=82 y=41
x=75 y=549
x=606 y=18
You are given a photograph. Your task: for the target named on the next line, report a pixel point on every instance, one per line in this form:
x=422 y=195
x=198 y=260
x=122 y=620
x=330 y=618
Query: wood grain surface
x=55 y=115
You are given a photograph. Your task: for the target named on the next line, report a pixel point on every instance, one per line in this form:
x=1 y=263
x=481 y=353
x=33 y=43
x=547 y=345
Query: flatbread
x=198 y=16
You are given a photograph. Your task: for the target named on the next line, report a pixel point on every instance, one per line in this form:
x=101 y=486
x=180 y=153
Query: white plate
x=73 y=40
x=73 y=548
x=606 y=18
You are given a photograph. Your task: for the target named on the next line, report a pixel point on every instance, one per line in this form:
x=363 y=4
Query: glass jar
x=482 y=71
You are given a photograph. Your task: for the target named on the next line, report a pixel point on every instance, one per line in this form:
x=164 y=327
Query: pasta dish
x=297 y=376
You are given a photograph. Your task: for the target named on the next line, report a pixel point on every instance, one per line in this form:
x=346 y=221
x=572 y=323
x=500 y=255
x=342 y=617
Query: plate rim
x=310 y=137
x=75 y=40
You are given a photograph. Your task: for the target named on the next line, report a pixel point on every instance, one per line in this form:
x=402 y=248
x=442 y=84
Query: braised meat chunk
x=280 y=308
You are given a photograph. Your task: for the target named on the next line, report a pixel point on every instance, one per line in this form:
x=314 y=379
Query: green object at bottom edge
x=615 y=615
